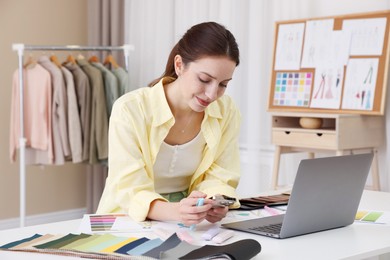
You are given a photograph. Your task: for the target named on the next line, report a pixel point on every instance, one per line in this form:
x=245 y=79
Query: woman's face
x=205 y=80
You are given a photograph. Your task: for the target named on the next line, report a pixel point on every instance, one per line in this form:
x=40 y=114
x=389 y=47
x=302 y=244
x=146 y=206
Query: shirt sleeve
x=129 y=187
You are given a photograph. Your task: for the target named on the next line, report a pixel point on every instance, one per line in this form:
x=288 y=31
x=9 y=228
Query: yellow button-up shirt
x=139 y=123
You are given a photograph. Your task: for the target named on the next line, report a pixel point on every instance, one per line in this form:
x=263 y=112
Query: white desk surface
x=356 y=241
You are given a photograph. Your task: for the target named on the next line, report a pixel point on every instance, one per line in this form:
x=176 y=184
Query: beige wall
x=39 y=22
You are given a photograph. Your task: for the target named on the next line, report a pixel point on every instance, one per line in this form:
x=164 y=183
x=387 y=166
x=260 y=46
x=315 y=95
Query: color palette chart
x=103 y=222
x=293 y=89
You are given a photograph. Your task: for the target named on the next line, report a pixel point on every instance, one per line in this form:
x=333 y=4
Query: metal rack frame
x=21 y=48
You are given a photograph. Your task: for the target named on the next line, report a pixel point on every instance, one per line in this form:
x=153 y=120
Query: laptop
x=326 y=194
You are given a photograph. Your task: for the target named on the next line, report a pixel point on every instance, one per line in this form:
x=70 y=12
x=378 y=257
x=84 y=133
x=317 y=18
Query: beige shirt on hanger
x=74 y=125
x=59 y=111
x=84 y=99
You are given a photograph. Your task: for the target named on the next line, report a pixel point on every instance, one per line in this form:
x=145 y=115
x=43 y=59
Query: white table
x=357 y=241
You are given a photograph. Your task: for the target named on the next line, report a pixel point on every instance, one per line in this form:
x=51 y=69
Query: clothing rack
x=21 y=48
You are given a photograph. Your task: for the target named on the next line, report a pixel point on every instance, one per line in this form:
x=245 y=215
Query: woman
x=177 y=141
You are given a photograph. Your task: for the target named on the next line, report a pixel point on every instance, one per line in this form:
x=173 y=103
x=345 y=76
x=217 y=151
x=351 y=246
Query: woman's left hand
x=216 y=214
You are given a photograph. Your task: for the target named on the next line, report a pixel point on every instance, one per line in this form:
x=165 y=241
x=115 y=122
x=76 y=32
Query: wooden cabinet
x=339 y=133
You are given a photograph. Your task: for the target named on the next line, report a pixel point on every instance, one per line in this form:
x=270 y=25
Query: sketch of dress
x=366 y=84
x=328 y=93
x=368 y=102
x=321 y=87
x=338 y=77
x=369 y=75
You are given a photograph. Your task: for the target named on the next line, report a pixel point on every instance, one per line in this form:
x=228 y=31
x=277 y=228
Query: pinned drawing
x=327 y=87
x=324 y=45
x=316 y=45
x=360 y=83
x=339 y=48
x=289 y=46
x=367 y=35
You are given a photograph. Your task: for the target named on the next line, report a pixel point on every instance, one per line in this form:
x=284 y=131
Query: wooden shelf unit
x=339 y=133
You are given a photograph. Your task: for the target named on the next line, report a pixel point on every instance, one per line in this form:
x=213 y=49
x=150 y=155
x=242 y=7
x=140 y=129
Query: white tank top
x=175 y=165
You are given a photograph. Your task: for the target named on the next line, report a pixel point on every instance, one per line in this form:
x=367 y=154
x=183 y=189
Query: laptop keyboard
x=272 y=229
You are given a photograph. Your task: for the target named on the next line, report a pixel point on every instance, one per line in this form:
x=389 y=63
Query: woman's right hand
x=189 y=213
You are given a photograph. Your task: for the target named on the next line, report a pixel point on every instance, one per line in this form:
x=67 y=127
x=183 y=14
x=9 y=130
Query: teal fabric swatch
x=15 y=243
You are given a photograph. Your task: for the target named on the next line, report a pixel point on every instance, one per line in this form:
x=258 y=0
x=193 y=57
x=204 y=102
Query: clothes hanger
x=93 y=58
x=111 y=60
x=55 y=60
x=80 y=56
x=70 y=59
x=30 y=63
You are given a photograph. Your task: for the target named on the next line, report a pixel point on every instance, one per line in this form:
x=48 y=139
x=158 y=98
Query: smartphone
x=222 y=201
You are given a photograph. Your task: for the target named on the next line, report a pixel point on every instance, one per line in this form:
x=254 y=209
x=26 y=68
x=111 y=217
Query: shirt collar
x=82 y=62
x=213 y=110
x=161 y=110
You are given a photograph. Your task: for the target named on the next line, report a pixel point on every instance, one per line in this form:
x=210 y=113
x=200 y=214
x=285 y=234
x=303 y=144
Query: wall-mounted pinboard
x=331 y=65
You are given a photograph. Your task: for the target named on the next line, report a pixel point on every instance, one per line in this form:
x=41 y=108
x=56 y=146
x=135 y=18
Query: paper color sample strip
x=293 y=89
x=102 y=222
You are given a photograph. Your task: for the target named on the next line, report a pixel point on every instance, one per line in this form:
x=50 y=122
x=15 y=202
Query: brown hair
x=204 y=39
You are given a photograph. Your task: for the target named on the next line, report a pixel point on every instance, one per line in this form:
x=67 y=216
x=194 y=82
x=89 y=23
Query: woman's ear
x=179 y=66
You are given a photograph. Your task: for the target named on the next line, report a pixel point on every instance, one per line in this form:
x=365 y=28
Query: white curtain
x=153 y=26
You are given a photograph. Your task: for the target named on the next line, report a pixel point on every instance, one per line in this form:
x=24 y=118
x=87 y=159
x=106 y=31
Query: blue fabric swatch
x=145 y=247
x=131 y=245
